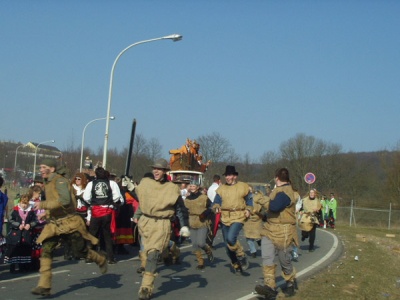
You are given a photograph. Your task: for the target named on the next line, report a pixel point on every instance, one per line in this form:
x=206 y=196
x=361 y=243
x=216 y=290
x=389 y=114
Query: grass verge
x=375 y=275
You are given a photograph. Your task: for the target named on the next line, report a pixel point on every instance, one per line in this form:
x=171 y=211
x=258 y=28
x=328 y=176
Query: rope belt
x=157 y=218
x=234 y=209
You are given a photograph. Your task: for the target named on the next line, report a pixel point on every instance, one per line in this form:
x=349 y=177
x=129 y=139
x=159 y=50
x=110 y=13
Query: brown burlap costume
x=196 y=207
x=252 y=227
x=157 y=203
x=280 y=227
x=233 y=204
x=62 y=223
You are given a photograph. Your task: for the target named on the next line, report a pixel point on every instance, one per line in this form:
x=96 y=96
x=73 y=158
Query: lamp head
x=112 y=118
x=174 y=37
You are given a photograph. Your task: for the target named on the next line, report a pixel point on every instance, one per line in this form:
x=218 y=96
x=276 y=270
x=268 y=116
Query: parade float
x=187 y=163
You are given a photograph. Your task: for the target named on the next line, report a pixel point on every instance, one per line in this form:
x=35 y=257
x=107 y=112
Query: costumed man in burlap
x=235 y=201
x=252 y=227
x=199 y=205
x=159 y=201
x=62 y=222
x=296 y=243
x=278 y=234
x=309 y=218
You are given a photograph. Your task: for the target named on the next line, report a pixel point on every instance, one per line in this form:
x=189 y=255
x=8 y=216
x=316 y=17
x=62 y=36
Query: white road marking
x=31 y=276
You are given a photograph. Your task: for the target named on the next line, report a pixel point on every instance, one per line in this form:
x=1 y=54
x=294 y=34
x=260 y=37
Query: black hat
x=230 y=170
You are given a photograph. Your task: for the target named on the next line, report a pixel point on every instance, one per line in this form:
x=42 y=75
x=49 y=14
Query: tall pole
x=37 y=147
x=173 y=37
x=83 y=137
x=15 y=162
x=4 y=161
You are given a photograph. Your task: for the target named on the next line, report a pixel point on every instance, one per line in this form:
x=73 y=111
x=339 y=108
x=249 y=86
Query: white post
x=15 y=162
x=351 y=211
x=83 y=137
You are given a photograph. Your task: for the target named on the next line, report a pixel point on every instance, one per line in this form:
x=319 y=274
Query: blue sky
x=256 y=72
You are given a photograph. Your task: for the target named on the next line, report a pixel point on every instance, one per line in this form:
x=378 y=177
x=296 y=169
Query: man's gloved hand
x=126 y=181
x=184 y=231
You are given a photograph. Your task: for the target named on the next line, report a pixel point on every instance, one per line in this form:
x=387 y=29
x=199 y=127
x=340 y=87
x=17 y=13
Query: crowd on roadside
x=110 y=208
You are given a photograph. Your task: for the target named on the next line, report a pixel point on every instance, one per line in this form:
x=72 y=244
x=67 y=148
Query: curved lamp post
x=37 y=147
x=15 y=162
x=83 y=137
x=173 y=37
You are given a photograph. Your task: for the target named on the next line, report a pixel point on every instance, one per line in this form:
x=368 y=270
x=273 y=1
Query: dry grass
x=376 y=274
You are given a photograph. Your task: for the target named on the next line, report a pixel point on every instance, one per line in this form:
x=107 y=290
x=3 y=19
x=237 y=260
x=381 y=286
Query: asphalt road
x=75 y=279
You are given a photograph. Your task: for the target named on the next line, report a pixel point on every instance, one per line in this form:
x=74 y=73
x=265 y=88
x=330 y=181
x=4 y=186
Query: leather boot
x=44 y=286
x=269 y=288
x=238 y=249
x=146 y=289
x=291 y=283
x=237 y=268
x=200 y=260
x=99 y=259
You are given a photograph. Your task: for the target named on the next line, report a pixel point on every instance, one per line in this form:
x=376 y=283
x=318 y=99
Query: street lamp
x=173 y=37
x=15 y=163
x=37 y=147
x=83 y=137
x=4 y=161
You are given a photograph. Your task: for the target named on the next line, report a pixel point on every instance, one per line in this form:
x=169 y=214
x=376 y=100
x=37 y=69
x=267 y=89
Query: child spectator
x=19 y=239
x=35 y=196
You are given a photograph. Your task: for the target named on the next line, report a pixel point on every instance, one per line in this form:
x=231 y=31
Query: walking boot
x=238 y=249
x=269 y=287
x=237 y=268
x=99 y=259
x=146 y=289
x=288 y=291
x=268 y=292
x=41 y=291
x=291 y=283
x=244 y=262
x=200 y=260
x=44 y=285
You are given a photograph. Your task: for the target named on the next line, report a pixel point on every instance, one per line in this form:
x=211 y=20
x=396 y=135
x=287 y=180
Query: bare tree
x=303 y=154
x=155 y=149
x=216 y=148
x=140 y=146
x=390 y=162
x=269 y=158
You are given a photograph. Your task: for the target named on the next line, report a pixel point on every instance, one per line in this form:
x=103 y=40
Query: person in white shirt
x=103 y=194
x=215 y=218
x=211 y=190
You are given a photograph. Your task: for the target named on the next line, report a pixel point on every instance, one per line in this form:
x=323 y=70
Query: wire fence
x=369 y=217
